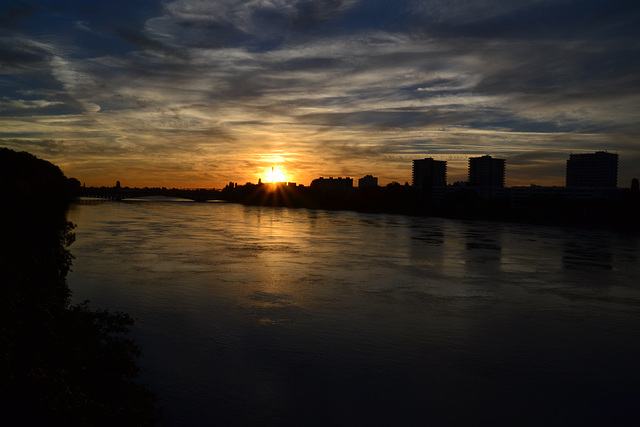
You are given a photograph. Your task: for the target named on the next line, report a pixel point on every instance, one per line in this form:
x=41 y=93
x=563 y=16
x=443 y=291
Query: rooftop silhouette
x=483 y=196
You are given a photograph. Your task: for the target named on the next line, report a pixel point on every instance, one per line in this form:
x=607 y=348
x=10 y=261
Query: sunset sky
x=196 y=93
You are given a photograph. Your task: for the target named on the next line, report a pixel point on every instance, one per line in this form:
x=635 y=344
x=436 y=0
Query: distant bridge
x=112 y=193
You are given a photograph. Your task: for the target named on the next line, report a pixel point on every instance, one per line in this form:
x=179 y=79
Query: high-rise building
x=486 y=171
x=429 y=173
x=599 y=169
x=368 y=181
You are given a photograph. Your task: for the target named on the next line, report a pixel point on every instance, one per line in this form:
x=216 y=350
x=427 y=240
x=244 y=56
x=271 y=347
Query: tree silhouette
x=59 y=364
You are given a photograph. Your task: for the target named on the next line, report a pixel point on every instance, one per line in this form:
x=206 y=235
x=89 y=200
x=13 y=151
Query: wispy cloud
x=215 y=91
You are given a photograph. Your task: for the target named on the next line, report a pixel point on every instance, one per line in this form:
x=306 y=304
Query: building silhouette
x=428 y=173
x=599 y=169
x=332 y=183
x=368 y=181
x=486 y=171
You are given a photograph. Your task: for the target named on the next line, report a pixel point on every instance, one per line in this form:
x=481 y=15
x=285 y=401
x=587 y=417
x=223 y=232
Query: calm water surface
x=267 y=316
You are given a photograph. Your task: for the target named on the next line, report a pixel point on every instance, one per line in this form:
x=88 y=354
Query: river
x=274 y=316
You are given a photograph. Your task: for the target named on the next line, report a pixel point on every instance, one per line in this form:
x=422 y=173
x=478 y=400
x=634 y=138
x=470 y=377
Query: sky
x=199 y=93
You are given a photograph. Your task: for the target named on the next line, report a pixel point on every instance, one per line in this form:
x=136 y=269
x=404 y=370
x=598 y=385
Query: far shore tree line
x=464 y=202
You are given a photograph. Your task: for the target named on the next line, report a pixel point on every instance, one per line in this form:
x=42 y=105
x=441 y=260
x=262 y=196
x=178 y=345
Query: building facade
x=332 y=183
x=368 y=181
x=599 y=169
x=486 y=171
x=428 y=173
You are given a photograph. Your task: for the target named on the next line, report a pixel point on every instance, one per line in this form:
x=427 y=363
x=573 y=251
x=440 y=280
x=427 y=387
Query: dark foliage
x=59 y=364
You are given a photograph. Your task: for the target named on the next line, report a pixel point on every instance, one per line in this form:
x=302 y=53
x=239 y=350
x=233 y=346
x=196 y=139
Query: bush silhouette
x=59 y=364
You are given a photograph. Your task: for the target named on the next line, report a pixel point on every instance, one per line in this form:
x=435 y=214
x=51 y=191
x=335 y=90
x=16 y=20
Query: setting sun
x=276 y=175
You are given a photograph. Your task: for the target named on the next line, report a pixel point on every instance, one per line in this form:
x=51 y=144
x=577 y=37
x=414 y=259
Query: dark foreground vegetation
x=59 y=364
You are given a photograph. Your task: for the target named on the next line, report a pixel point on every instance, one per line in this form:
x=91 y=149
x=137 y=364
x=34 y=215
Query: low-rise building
x=332 y=183
x=368 y=181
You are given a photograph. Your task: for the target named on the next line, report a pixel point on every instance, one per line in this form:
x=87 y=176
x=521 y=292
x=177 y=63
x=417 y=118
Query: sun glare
x=276 y=175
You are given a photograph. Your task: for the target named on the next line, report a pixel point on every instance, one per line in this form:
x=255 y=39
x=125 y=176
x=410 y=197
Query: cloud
x=139 y=39
x=22 y=104
x=83 y=25
x=255 y=16
x=325 y=87
x=23 y=54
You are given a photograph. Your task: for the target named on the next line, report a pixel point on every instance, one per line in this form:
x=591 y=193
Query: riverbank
x=621 y=214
